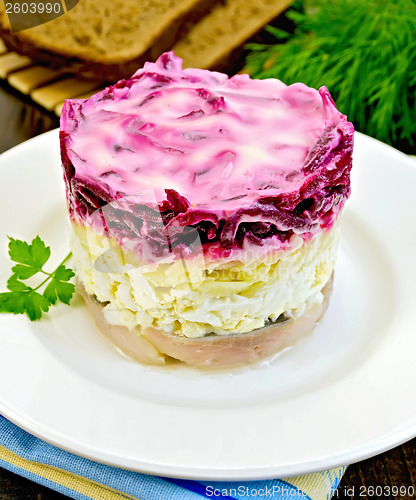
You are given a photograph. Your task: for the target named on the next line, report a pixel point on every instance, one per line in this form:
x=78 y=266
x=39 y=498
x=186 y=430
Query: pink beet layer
x=235 y=159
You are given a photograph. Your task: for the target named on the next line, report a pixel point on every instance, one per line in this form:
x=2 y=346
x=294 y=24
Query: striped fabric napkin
x=79 y=478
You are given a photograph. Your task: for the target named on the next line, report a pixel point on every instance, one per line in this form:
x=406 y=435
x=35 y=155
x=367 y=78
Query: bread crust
x=154 y=346
x=215 y=42
x=84 y=60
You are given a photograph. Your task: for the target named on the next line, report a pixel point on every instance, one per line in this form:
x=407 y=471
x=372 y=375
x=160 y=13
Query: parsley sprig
x=30 y=259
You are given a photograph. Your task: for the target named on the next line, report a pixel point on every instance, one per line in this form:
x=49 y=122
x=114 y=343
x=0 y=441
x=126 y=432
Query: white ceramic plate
x=343 y=394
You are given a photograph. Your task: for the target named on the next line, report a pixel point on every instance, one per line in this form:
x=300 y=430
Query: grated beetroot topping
x=170 y=152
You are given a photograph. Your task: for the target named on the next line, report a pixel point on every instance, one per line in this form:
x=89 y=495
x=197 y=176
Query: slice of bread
x=229 y=24
x=109 y=38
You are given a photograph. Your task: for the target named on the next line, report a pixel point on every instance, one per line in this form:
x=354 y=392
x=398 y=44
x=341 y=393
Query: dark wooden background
x=20 y=120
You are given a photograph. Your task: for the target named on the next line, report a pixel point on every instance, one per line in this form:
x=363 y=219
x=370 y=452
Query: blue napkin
x=79 y=478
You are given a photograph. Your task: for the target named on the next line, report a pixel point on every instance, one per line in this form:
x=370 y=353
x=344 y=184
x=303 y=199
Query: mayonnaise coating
x=249 y=158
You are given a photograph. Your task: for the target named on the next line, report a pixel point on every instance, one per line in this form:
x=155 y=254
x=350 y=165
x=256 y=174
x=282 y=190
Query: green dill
x=364 y=51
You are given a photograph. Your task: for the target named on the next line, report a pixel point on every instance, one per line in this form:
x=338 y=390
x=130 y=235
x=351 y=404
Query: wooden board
x=47 y=87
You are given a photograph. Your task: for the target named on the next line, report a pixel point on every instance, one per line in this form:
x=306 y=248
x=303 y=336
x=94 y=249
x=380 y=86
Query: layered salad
x=205 y=210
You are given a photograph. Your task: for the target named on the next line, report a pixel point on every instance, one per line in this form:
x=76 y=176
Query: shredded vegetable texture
x=364 y=51
x=30 y=259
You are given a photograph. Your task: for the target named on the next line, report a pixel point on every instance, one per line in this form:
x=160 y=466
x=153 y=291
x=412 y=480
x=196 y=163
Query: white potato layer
x=194 y=297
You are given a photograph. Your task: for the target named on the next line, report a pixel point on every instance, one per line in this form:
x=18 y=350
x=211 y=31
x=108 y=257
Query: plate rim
x=253 y=473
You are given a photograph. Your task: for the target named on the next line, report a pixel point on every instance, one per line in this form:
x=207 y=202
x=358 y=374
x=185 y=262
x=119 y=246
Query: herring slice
x=154 y=346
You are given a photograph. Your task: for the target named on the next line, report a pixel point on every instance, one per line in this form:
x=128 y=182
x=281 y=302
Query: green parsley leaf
x=65 y=291
x=50 y=293
x=59 y=289
x=35 y=303
x=34 y=255
x=20 y=251
x=13 y=302
x=23 y=299
x=40 y=252
x=24 y=272
x=14 y=285
x=63 y=274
